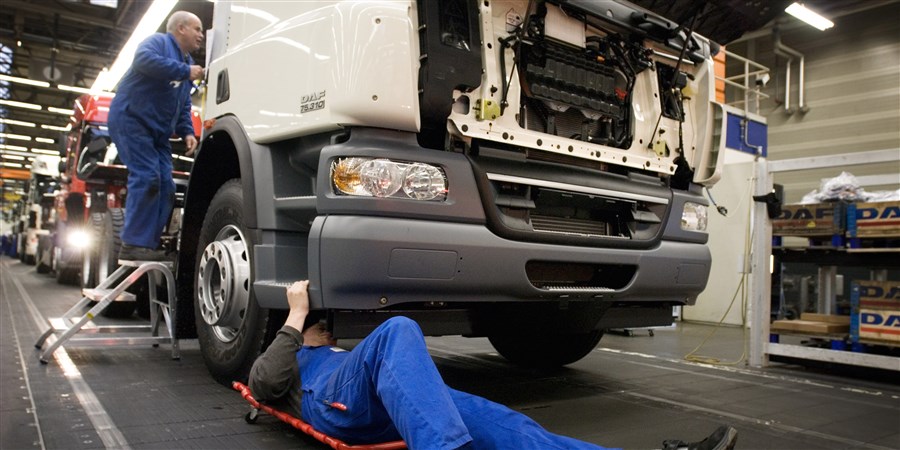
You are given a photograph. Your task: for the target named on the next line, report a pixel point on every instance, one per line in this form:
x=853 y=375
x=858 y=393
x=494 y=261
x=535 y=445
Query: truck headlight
x=694 y=217
x=79 y=238
x=371 y=177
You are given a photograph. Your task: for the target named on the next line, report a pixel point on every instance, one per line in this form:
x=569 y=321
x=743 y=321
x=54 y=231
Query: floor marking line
x=769 y=423
x=104 y=426
x=15 y=330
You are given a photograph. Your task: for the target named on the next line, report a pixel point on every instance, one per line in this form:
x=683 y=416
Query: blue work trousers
x=388 y=388
x=151 y=190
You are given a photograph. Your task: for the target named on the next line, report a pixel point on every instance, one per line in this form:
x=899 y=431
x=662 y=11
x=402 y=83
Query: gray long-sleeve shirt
x=275 y=376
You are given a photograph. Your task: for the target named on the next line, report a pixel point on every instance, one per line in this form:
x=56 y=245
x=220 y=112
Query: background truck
x=528 y=171
x=90 y=204
x=37 y=215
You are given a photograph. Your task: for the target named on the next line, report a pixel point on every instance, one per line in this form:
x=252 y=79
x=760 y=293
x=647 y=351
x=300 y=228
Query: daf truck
x=526 y=171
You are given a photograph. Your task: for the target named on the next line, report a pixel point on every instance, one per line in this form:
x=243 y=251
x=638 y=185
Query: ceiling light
x=13 y=147
x=45 y=140
x=56 y=128
x=805 y=14
x=17 y=122
x=13 y=157
x=45 y=151
x=80 y=90
x=12 y=79
x=19 y=137
x=17 y=165
x=20 y=104
x=148 y=25
x=65 y=112
x=23 y=153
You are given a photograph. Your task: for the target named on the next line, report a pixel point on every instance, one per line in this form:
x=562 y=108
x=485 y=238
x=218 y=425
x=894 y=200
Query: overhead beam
x=12 y=5
x=846 y=159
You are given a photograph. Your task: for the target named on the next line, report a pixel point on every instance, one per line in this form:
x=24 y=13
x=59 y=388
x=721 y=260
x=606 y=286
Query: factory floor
x=631 y=392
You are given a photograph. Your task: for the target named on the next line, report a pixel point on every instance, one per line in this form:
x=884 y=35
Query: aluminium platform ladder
x=70 y=324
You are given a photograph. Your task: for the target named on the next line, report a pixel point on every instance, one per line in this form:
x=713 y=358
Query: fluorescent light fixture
x=56 y=128
x=19 y=137
x=16 y=165
x=152 y=19
x=13 y=147
x=63 y=111
x=805 y=14
x=20 y=104
x=45 y=151
x=13 y=157
x=17 y=122
x=77 y=89
x=45 y=140
x=24 y=81
x=13 y=152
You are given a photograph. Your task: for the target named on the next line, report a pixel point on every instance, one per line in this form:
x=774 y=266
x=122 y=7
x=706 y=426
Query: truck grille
x=539 y=210
x=565 y=276
x=569 y=226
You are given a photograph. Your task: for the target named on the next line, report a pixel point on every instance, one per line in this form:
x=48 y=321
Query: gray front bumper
x=364 y=263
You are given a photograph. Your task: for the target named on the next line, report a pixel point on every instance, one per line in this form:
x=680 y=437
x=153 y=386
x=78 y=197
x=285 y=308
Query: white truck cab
x=529 y=171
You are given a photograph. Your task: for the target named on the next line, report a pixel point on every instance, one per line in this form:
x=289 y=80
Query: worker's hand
x=190 y=142
x=298 y=300
x=317 y=336
x=196 y=72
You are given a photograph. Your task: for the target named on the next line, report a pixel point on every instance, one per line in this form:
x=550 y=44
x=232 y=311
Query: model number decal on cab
x=312 y=102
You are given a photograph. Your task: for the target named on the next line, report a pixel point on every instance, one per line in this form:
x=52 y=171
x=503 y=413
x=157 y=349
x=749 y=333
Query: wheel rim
x=223 y=283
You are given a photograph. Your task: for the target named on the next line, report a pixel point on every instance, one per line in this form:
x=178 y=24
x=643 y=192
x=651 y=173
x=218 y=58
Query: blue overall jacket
x=156 y=89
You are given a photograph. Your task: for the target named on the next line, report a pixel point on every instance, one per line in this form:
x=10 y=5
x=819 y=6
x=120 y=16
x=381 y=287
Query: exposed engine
x=577 y=92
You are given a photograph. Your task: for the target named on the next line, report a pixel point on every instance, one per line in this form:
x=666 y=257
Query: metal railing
x=750 y=82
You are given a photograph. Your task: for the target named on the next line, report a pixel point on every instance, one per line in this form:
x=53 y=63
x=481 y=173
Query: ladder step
x=136 y=263
x=98 y=294
x=102 y=341
x=63 y=324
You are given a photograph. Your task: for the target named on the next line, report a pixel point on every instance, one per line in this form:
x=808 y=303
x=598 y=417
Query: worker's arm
x=275 y=372
x=150 y=59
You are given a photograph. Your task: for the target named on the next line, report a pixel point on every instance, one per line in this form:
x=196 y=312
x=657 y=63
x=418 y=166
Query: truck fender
x=225 y=153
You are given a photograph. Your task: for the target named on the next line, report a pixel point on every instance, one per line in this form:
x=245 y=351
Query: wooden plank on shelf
x=829 y=318
x=808 y=326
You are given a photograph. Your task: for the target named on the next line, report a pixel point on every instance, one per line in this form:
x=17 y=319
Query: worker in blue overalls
x=388 y=388
x=152 y=103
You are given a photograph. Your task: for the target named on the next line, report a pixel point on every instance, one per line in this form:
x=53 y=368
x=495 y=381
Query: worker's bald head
x=179 y=18
x=187 y=29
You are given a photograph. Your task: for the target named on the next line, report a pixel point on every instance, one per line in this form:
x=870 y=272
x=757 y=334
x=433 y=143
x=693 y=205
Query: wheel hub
x=223 y=286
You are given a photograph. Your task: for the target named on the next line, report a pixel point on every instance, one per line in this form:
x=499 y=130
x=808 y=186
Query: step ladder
x=70 y=324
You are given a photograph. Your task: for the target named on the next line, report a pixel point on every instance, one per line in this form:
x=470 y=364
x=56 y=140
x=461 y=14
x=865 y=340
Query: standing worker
x=153 y=102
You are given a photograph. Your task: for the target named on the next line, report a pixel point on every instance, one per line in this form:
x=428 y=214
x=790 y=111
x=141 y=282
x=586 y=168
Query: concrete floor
x=630 y=392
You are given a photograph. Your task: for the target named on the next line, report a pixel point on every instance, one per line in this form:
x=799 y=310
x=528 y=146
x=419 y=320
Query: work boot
x=133 y=253
x=723 y=438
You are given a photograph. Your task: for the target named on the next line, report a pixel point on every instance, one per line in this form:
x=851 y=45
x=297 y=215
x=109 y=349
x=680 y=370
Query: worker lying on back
x=388 y=388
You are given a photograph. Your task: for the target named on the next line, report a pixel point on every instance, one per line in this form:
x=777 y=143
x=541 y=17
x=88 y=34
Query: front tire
x=44 y=254
x=545 y=349
x=90 y=255
x=67 y=260
x=231 y=327
x=108 y=241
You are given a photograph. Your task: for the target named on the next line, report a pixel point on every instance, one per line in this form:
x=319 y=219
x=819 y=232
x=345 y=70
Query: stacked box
x=873 y=220
x=876 y=311
x=813 y=324
x=817 y=219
